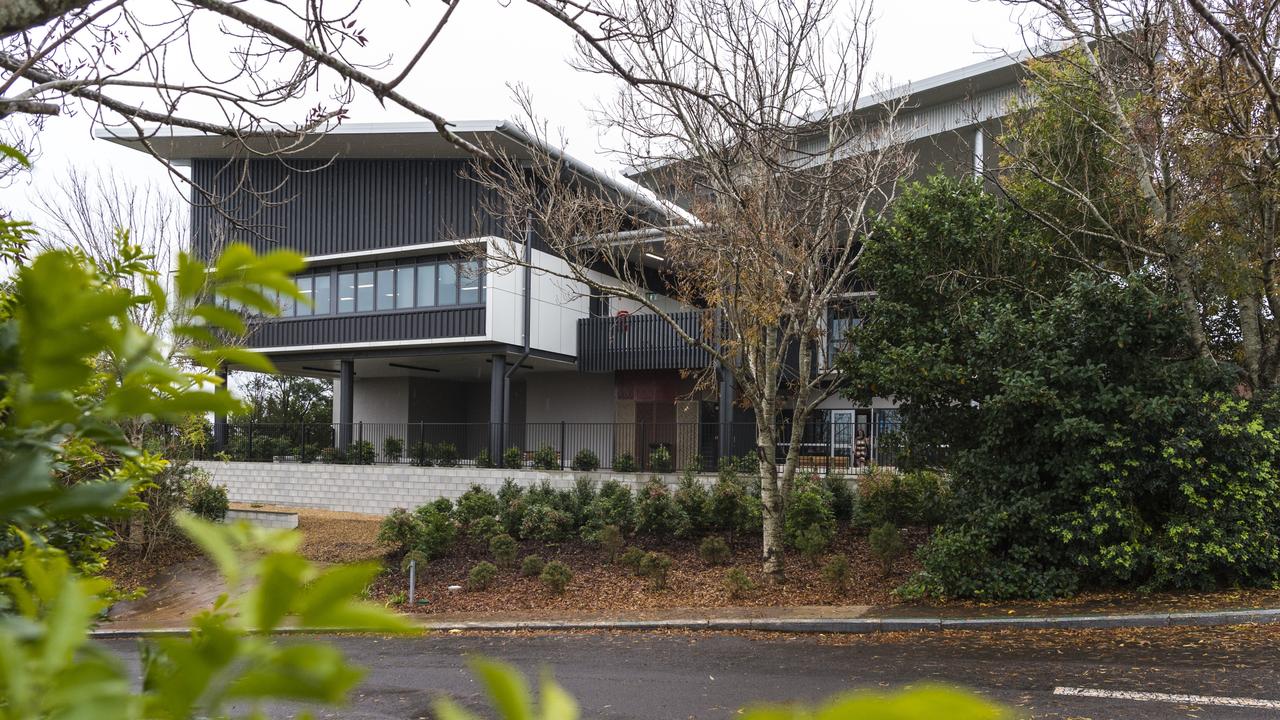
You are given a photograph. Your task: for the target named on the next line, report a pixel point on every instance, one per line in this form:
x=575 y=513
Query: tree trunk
x=771 y=498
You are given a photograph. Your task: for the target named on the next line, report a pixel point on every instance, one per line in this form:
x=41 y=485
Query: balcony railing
x=642 y=447
x=640 y=342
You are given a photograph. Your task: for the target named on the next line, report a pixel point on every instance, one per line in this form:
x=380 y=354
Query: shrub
x=482 y=530
x=503 y=549
x=401 y=529
x=613 y=505
x=443 y=505
x=531 y=566
x=556 y=576
x=512 y=506
x=513 y=458
x=361 y=452
x=694 y=502
x=714 y=550
x=611 y=541
x=206 y=499
x=420 y=454
x=586 y=461
x=836 y=572
x=477 y=503
x=660 y=460
x=509 y=491
x=543 y=522
x=809 y=514
x=657 y=567
x=481 y=576
x=731 y=508
x=624 y=463
x=812 y=541
x=737 y=583
x=332 y=455
x=919 y=497
x=483 y=459
x=392 y=449
x=438 y=531
x=887 y=545
x=842 y=498
x=583 y=494
x=632 y=558
x=445 y=454
x=546 y=458
x=656 y=511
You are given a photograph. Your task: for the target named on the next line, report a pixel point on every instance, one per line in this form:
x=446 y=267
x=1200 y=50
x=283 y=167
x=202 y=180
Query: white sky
x=486 y=46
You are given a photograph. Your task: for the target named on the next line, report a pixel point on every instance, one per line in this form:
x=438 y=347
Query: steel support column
x=497 y=406
x=346 y=402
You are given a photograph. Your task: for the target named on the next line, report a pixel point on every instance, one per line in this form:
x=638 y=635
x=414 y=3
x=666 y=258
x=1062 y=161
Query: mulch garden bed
x=601 y=586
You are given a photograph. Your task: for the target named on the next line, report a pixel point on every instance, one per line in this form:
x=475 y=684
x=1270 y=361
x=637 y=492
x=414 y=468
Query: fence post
x=360 y=440
x=563 y=449
x=302 y=447
x=249 y=451
x=642 y=448
x=413 y=580
x=831 y=442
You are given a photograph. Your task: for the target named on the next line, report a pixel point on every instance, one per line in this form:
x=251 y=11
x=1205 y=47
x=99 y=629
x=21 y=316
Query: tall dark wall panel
x=322 y=207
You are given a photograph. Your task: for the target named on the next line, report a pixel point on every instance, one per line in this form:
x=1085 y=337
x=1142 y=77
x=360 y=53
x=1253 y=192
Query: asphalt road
x=633 y=675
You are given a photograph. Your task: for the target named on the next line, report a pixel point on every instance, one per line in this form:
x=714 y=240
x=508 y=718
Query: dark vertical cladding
x=640 y=342
x=369 y=327
x=320 y=207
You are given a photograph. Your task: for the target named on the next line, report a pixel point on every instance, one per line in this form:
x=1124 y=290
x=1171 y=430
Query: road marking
x=1170 y=698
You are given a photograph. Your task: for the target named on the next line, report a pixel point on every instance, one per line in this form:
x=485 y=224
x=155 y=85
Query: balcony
x=640 y=342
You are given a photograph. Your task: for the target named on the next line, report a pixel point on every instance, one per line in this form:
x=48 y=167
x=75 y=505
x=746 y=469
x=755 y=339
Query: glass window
x=321 y=295
x=448 y=294
x=469 y=293
x=404 y=287
x=285 y=302
x=364 y=291
x=386 y=289
x=426 y=285
x=304 y=305
x=346 y=292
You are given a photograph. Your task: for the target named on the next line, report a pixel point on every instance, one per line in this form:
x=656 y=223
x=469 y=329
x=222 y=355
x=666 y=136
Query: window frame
x=407 y=267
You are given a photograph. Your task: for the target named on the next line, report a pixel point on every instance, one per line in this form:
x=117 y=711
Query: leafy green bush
x=546 y=458
x=332 y=456
x=737 y=583
x=887 y=545
x=611 y=541
x=206 y=499
x=481 y=576
x=481 y=530
x=836 y=572
x=657 y=567
x=361 y=452
x=613 y=505
x=556 y=576
x=420 y=454
x=624 y=463
x=513 y=458
x=731 y=507
x=631 y=558
x=443 y=505
x=660 y=460
x=918 y=497
x=477 y=503
x=694 y=502
x=842 y=498
x=586 y=461
x=401 y=529
x=578 y=504
x=483 y=459
x=438 y=531
x=812 y=542
x=546 y=523
x=531 y=566
x=444 y=454
x=657 y=513
x=392 y=449
x=810 y=519
x=714 y=550
x=503 y=549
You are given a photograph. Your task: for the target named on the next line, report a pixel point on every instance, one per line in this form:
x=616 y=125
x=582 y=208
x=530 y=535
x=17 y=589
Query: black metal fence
x=653 y=447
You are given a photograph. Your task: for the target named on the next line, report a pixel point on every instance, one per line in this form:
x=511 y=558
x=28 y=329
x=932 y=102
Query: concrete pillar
x=346 y=402
x=497 y=406
x=220 y=420
x=726 y=413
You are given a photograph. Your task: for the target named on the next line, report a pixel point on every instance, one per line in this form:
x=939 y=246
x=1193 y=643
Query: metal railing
x=648 y=447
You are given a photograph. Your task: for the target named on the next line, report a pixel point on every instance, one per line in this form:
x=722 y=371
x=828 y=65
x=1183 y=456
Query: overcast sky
x=486 y=46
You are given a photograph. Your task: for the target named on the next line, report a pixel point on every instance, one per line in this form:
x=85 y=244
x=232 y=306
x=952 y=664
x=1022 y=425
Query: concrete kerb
x=810 y=625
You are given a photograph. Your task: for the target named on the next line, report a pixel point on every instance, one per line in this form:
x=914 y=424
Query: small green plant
x=445 y=454
x=660 y=460
x=556 y=576
x=361 y=452
x=476 y=503
x=887 y=545
x=398 y=598
x=737 y=583
x=482 y=530
x=206 y=499
x=545 y=523
x=657 y=567
x=438 y=530
x=401 y=529
x=624 y=463
x=483 y=459
x=513 y=458
x=835 y=572
x=714 y=550
x=611 y=541
x=631 y=558
x=329 y=455
x=586 y=461
x=392 y=449
x=812 y=541
x=532 y=566
x=503 y=549
x=481 y=576
x=444 y=505
x=657 y=513
x=546 y=458
x=420 y=454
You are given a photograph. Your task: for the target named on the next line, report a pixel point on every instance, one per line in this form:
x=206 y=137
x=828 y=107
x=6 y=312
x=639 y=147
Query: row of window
x=457 y=282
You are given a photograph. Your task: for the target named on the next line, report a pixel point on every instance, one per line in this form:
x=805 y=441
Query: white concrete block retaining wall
x=377 y=489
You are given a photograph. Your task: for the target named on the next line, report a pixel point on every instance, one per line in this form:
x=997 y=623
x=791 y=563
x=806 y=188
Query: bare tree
x=1154 y=144
x=751 y=115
